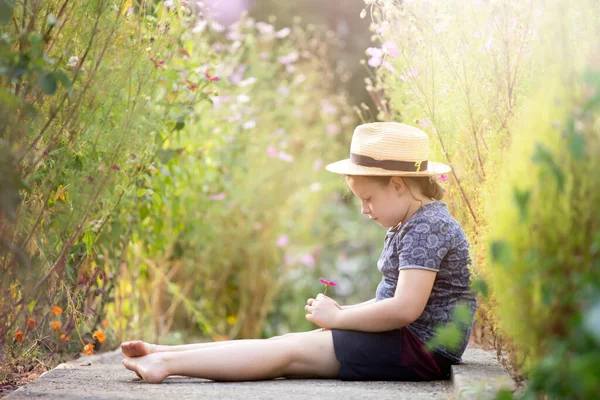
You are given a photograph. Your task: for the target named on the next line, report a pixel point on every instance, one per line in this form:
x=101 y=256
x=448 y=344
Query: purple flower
x=288 y=59
x=375 y=62
x=390 y=48
x=115 y=167
x=443 y=178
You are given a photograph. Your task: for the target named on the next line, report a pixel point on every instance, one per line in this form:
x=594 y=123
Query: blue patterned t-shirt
x=431 y=239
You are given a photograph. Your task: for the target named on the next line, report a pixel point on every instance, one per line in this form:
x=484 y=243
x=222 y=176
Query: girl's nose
x=364 y=209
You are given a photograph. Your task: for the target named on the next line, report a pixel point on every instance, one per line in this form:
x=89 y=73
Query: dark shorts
x=396 y=355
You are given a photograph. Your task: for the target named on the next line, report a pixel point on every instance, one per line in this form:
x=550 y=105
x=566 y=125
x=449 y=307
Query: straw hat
x=388 y=148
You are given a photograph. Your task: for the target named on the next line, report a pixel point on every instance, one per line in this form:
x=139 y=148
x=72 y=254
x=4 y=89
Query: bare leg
x=308 y=355
x=138 y=348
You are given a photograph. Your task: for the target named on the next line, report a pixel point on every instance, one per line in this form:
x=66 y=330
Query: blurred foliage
x=466 y=74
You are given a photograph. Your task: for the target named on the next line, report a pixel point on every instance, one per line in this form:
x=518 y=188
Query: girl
x=425 y=271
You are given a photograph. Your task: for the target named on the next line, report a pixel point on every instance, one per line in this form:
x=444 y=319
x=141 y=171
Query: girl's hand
x=322 y=311
x=310 y=301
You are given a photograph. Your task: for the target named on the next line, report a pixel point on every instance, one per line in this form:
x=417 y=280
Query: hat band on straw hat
x=393 y=165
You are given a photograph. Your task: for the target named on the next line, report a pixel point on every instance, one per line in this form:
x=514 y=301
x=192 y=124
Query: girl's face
x=385 y=204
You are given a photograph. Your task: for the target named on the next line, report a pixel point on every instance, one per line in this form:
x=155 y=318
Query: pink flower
x=218 y=197
x=286 y=157
x=317 y=164
x=115 y=167
x=327 y=284
x=192 y=87
x=272 y=151
x=307 y=259
x=211 y=78
x=390 y=48
x=282 y=241
x=443 y=178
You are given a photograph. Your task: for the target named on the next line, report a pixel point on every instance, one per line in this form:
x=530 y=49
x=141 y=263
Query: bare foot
x=136 y=348
x=150 y=368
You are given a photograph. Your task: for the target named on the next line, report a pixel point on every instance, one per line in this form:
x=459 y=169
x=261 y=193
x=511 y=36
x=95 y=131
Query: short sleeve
x=423 y=245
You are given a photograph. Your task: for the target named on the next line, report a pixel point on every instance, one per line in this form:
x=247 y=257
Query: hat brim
x=347 y=167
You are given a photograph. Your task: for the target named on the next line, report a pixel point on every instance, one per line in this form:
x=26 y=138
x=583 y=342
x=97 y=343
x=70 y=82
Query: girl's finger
x=310 y=301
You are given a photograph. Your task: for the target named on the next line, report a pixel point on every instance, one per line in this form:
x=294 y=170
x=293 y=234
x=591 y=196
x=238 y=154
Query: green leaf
x=522 y=200
x=31 y=306
x=48 y=83
x=64 y=79
x=88 y=239
x=461 y=314
x=577 y=146
x=501 y=252
x=6 y=7
x=480 y=285
x=166 y=155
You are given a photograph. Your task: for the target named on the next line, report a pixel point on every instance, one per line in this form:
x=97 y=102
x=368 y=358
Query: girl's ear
x=398 y=184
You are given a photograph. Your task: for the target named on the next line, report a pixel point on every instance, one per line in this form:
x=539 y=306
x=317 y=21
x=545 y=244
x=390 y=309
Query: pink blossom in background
x=283 y=240
x=237 y=75
x=329 y=109
x=211 y=78
x=424 y=123
x=272 y=151
x=317 y=164
x=289 y=58
x=285 y=156
x=225 y=12
x=389 y=66
x=443 y=178
x=217 y=197
x=333 y=129
x=307 y=259
x=390 y=48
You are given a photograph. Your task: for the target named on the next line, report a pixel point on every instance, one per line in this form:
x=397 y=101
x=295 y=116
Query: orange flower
x=56 y=310
x=99 y=336
x=104 y=324
x=30 y=323
x=19 y=337
x=56 y=325
x=88 y=349
x=64 y=337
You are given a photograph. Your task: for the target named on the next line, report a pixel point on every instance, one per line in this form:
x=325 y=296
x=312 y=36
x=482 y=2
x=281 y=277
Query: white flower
x=248 y=82
x=200 y=26
x=315 y=187
x=73 y=61
x=242 y=98
x=288 y=59
x=249 y=125
x=264 y=28
x=283 y=33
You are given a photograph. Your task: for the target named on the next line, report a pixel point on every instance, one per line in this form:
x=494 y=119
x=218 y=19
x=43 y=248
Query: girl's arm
x=359 y=304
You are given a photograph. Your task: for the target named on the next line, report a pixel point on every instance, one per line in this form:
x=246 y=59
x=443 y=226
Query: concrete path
x=104 y=377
